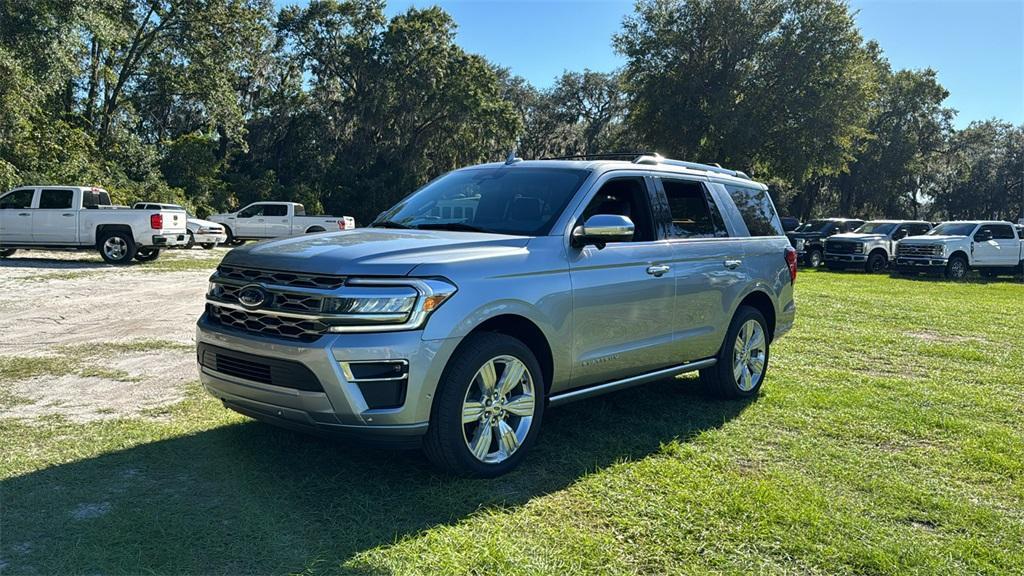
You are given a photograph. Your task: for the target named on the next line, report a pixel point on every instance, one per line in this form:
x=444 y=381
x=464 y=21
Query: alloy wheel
x=498 y=409
x=749 y=355
x=115 y=248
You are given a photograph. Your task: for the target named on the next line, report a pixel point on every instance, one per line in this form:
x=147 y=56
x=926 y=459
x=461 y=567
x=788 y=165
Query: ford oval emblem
x=252 y=296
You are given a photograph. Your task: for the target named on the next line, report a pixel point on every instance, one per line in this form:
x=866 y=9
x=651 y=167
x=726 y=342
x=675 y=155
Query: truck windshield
x=952 y=229
x=503 y=200
x=876 y=228
x=813 y=226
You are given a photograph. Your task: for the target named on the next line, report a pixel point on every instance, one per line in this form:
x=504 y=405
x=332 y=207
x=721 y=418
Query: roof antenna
x=512 y=158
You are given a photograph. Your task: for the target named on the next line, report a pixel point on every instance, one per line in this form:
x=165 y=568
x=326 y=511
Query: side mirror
x=983 y=236
x=601 y=229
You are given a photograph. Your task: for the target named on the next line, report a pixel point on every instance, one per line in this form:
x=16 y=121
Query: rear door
x=55 y=220
x=16 y=214
x=623 y=294
x=1002 y=250
x=277 y=222
x=706 y=265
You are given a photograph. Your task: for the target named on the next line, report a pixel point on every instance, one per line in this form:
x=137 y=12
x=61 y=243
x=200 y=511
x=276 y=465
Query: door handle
x=732 y=264
x=24 y=214
x=68 y=215
x=658 y=269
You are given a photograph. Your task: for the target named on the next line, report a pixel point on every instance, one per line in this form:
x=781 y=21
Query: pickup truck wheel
x=231 y=240
x=191 y=241
x=209 y=245
x=7 y=252
x=956 y=268
x=876 y=263
x=814 y=258
x=488 y=407
x=743 y=358
x=117 y=247
x=147 y=254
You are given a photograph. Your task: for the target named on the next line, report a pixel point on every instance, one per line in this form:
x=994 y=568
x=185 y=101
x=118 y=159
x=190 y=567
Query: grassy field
x=889 y=439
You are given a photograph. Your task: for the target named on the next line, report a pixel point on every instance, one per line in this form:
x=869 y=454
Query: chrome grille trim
x=288 y=279
x=918 y=249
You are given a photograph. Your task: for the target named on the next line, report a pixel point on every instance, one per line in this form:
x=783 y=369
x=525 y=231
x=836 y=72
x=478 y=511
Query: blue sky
x=976 y=46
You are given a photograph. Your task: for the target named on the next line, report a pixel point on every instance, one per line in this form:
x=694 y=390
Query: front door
x=16 y=217
x=1002 y=250
x=55 y=221
x=277 y=222
x=623 y=294
x=249 y=222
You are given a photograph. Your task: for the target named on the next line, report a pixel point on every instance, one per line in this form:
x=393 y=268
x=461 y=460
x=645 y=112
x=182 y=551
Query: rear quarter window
x=756 y=209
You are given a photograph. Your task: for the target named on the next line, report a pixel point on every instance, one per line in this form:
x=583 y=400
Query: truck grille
x=918 y=249
x=269 y=324
x=840 y=247
x=250 y=275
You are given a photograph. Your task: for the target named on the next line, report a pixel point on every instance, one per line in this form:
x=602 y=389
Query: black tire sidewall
x=209 y=246
x=811 y=260
x=147 y=254
x=191 y=241
x=872 y=259
x=721 y=378
x=129 y=254
x=949 y=268
x=445 y=445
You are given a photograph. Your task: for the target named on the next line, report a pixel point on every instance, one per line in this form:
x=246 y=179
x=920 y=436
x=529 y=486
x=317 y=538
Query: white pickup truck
x=954 y=248
x=82 y=218
x=261 y=220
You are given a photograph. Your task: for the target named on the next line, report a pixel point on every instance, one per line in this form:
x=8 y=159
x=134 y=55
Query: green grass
x=889 y=439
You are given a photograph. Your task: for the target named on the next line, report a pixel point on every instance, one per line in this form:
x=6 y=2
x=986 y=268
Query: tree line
x=217 y=103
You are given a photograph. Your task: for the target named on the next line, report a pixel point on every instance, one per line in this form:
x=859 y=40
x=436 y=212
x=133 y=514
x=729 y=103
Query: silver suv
x=497 y=291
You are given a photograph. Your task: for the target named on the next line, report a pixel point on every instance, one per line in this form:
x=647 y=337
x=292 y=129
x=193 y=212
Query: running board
x=581 y=393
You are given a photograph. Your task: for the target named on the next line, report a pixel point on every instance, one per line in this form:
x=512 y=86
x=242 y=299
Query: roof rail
x=631 y=156
x=659 y=159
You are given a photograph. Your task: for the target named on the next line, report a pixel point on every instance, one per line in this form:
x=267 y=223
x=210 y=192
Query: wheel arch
x=103 y=229
x=960 y=252
x=315 y=229
x=763 y=303
x=527 y=332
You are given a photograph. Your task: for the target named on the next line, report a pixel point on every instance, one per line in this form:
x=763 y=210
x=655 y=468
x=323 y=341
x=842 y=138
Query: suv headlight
x=800 y=243
x=369 y=303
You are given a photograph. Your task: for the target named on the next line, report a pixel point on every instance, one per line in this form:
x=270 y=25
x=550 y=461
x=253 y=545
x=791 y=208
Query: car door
x=16 y=216
x=276 y=220
x=707 y=265
x=623 y=294
x=55 y=221
x=1002 y=249
x=249 y=222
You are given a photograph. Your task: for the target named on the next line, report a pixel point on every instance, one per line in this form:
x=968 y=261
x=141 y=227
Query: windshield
x=504 y=200
x=952 y=229
x=813 y=226
x=877 y=228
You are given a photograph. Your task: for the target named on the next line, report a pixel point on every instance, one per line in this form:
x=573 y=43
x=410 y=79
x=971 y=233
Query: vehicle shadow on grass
x=250 y=498
x=43 y=263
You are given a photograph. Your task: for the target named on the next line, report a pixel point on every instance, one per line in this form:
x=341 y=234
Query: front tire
x=876 y=263
x=191 y=241
x=209 y=245
x=488 y=407
x=231 y=240
x=956 y=268
x=117 y=247
x=814 y=258
x=742 y=362
x=147 y=254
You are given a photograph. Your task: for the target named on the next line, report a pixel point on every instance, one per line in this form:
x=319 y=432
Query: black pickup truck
x=809 y=238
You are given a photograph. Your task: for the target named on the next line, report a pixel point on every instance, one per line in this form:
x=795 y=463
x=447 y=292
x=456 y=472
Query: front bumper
x=210 y=238
x=341 y=407
x=833 y=257
x=921 y=264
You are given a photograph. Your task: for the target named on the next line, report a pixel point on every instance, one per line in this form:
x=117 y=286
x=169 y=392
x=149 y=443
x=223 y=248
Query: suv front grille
x=250 y=275
x=276 y=300
x=918 y=249
x=269 y=324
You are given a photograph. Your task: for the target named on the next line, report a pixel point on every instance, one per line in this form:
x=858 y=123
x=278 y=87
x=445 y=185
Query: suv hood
x=804 y=235
x=856 y=236
x=200 y=223
x=930 y=239
x=371 y=251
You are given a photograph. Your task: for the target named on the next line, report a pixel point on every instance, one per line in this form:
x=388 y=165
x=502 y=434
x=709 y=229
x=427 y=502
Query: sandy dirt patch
x=95 y=319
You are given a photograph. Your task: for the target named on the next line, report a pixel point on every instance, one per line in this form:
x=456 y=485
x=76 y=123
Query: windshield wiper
x=456 y=226
x=389 y=224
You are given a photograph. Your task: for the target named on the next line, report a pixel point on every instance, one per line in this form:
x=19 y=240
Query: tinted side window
x=694 y=214
x=252 y=211
x=624 y=197
x=275 y=210
x=17 y=200
x=56 y=199
x=756 y=208
x=93 y=198
x=919 y=229
x=1002 y=232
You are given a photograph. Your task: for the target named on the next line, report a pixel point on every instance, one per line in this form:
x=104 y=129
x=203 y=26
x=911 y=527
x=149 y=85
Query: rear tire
x=7 y=252
x=476 y=433
x=209 y=245
x=147 y=254
x=117 y=247
x=191 y=241
x=742 y=361
x=956 y=268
